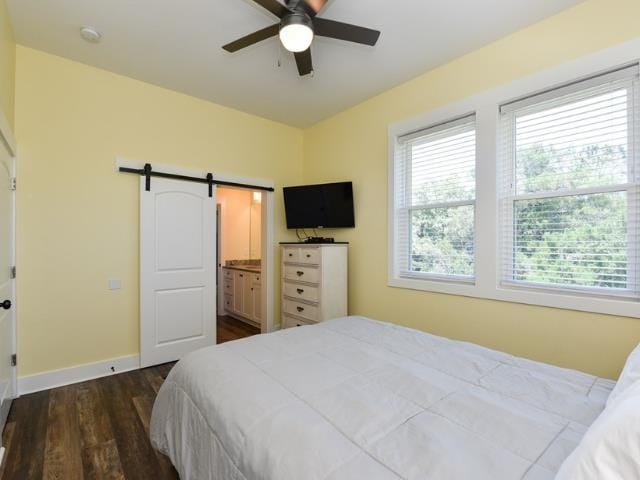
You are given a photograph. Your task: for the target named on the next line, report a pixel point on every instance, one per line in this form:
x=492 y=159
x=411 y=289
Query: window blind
x=435 y=201
x=569 y=187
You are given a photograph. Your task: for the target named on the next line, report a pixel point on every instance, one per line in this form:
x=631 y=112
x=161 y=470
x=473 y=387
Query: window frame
x=506 y=212
x=486 y=106
x=407 y=210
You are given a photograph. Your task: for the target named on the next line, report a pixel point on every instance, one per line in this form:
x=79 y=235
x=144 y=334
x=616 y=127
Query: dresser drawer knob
x=300 y=291
x=300 y=309
x=299 y=273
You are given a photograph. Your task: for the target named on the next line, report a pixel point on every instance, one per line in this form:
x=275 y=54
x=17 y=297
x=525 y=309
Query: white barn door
x=177 y=269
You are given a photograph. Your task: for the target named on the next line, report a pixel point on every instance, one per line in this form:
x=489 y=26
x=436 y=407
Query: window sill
x=431 y=284
x=585 y=303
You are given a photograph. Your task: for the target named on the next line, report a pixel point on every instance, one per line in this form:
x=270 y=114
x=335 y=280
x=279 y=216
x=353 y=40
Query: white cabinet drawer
x=300 y=309
x=304 y=292
x=301 y=274
x=255 y=278
x=290 y=322
x=227 y=273
x=228 y=303
x=228 y=286
x=291 y=254
x=309 y=255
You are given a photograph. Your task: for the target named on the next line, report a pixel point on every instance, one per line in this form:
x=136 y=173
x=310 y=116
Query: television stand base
x=319 y=240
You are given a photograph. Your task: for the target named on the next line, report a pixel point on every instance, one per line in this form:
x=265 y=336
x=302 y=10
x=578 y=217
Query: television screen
x=320 y=206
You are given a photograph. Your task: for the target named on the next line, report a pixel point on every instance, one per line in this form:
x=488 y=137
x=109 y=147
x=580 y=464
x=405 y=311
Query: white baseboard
x=81 y=373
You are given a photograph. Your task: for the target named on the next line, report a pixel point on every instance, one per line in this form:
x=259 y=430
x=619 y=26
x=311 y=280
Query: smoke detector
x=90 y=34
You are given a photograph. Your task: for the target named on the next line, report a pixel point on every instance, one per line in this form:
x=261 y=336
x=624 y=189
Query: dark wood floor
x=93 y=430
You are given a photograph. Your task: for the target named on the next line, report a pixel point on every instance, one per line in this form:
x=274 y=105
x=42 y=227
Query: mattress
x=354 y=398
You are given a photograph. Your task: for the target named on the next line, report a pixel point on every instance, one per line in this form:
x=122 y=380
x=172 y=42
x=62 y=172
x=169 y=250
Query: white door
x=238 y=292
x=177 y=269
x=257 y=302
x=7 y=300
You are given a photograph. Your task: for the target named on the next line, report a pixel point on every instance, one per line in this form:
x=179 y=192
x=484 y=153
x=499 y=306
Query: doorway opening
x=239 y=244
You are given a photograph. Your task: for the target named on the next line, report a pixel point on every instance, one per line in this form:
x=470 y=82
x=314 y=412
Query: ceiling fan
x=297 y=28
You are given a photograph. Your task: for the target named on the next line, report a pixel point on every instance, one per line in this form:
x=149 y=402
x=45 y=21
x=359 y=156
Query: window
x=568 y=188
x=435 y=202
x=534 y=200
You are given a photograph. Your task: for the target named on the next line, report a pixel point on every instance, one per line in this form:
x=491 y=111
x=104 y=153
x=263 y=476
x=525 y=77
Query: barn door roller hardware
x=147 y=171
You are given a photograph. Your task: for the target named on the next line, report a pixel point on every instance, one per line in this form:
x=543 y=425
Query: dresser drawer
x=309 y=255
x=227 y=273
x=291 y=254
x=303 y=292
x=300 y=309
x=290 y=322
x=255 y=278
x=301 y=274
x=228 y=286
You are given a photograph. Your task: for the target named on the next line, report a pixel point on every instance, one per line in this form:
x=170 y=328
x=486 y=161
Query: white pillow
x=630 y=375
x=610 y=450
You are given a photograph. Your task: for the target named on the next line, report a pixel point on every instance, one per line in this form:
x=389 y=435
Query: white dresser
x=314 y=283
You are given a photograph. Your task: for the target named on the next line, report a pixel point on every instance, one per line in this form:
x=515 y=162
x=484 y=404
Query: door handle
x=300 y=309
x=300 y=291
x=299 y=273
x=6 y=304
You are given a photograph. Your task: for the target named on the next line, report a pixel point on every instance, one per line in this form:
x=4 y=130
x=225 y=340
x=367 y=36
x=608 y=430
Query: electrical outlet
x=115 y=284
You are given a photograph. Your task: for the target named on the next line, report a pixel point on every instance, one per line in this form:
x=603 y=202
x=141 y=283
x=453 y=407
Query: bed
x=354 y=398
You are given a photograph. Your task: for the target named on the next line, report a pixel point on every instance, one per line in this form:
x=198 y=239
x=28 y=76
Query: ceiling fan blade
x=252 y=38
x=274 y=7
x=304 y=63
x=345 y=31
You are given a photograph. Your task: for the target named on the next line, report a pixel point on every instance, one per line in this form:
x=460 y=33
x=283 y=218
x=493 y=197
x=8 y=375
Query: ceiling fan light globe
x=296 y=33
x=296 y=38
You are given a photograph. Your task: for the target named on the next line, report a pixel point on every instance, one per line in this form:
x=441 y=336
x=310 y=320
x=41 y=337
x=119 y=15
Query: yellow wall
x=7 y=64
x=240 y=224
x=78 y=218
x=353 y=146
x=255 y=227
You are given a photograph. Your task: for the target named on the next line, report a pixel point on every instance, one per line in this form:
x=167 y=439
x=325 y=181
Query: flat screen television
x=320 y=206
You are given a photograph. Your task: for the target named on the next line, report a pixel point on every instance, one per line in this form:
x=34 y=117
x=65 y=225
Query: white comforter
x=358 y=399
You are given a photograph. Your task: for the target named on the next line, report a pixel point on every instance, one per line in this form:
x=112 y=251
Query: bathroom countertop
x=244 y=268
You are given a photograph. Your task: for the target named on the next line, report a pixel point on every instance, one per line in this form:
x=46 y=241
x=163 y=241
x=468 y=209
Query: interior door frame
x=268 y=247
x=9 y=142
x=219 y=291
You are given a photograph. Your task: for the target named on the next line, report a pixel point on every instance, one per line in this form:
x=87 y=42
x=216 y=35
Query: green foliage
x=443 y=240
x=571 y=240
x=566 y=240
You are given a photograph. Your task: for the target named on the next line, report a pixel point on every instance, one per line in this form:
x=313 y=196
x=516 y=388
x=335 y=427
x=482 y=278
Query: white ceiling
x=177 y=44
